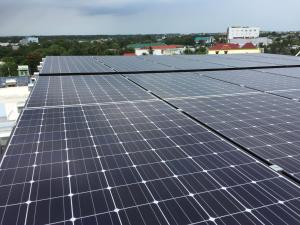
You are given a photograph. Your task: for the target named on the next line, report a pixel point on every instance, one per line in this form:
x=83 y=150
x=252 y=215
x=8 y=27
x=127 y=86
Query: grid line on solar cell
x=160 y=183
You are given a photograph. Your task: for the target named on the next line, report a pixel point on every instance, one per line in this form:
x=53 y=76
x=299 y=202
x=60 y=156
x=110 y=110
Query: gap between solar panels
x=244 y=149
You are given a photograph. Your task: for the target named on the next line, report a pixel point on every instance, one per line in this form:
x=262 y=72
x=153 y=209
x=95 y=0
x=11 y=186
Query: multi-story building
x=243 y=32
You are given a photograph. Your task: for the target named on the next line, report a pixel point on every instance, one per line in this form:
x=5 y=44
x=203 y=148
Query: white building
x=29 y=40
x=243 y=32
x=161 y=50
x=23 y=70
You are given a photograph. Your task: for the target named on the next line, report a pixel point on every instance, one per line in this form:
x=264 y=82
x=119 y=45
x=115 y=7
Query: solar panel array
x=161 y=148
x=62 y=65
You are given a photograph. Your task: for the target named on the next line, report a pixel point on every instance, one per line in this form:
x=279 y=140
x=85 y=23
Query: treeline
x=32 y=54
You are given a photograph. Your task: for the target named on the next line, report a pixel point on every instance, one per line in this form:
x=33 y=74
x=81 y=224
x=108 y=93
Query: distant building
x=256 y=41
x=4 y=44
x=23 y=70
x=204 y=40
x=230 y=48
x=242 y=32
x=161 y=50
x=15 y=47
x=29 y=40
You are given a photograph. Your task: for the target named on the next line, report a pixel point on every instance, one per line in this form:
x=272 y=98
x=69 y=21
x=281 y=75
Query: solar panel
x=76 y=90
x=281 y=85
x=227 y=62
x=64 y=65
x=174 y=85
x=266 y=125
x=150 y=165
x=73 y=64
x=131 y=64
x=268 y=58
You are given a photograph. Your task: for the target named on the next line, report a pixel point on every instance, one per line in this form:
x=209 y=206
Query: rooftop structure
x=103 y=140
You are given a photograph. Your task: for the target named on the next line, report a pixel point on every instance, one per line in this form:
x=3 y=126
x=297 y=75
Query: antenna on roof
x=298 y=54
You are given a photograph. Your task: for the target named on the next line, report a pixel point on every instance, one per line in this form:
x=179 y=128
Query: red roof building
x=231 y=48
x=227 y=46
x=249 y=45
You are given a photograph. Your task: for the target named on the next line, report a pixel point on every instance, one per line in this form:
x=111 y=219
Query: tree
x=8 y=69
x=33 y=60
x=55 y=50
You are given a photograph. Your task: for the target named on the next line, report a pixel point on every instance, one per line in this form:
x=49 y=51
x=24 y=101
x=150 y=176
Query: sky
x=83 y=17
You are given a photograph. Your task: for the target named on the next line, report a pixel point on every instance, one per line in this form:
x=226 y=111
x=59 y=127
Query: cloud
x=54 y=17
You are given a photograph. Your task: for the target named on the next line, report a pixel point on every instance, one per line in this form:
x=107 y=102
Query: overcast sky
x=54 y=17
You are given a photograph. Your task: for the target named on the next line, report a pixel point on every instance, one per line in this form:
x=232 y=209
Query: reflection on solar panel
x=167 y=148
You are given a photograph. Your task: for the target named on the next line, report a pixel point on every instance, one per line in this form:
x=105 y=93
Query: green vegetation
x=32 y=54
x=286 y=44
